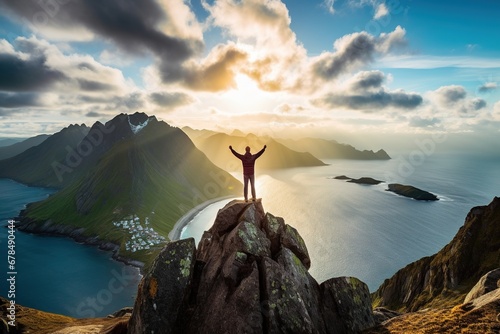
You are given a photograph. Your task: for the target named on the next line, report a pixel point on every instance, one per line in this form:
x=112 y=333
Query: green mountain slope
x=19 y=147
x=277 y=155
x=153 y=177
x=330 y=149
x=35 y=166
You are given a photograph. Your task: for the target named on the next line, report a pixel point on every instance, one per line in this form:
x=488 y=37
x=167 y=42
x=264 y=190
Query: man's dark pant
x=250 y=178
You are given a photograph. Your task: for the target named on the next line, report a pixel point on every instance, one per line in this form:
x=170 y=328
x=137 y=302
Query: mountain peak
x=237 y=133
x=136 y=124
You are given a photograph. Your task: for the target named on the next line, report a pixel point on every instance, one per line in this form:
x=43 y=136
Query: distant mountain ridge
x=34 y=166
x=10 y=141
x=318 y=147
x=132 y=166
x=277 y=156
x=331 y=149
x=14 y=149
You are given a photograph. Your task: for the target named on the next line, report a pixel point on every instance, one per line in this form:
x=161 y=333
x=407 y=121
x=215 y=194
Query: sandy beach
x=175 y=234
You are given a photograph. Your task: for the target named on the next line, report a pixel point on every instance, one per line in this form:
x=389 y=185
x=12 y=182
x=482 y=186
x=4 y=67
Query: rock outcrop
x=248 y=275
x=445 y=278
x=382 y=314
x=489 y=282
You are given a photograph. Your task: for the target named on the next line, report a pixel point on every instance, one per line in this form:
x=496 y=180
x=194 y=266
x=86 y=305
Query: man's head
x=247 y=149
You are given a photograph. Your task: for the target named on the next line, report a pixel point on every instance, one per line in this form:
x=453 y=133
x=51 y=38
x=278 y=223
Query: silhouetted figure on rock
x=248 y=161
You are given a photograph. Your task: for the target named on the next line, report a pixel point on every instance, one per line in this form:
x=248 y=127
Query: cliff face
x=248 y=275
x=445 y=278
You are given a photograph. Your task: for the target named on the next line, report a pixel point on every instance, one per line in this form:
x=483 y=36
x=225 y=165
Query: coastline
x=176 y=231
x=77 y=234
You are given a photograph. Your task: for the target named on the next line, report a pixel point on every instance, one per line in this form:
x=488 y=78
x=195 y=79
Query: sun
x=247 y=97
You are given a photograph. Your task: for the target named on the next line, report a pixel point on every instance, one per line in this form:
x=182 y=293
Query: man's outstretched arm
x=236 y=154
x=258 y=154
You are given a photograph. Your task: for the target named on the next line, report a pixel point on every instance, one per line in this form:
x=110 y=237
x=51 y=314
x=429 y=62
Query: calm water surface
x=365 y=231
x=56 y=274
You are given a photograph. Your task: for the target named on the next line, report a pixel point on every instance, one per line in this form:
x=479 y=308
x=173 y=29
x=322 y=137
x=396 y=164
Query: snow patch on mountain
x=137 y=128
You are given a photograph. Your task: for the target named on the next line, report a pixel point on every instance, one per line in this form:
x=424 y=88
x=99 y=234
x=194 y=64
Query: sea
x=349 y=229
x=57 y=274
x=363 y=230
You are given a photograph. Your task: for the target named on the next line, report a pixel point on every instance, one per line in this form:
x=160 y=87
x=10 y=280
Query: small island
x=361 y=180
x=412 y=192
x=400 y=189
x=365 y=180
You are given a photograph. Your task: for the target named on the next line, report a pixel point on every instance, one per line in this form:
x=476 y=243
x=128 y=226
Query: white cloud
x=329 y=6
x=454 y=101
x=179 y=20
x=380 y=11
x=488 y=87
x=432 y=62
x=6 y=47
x=366 y=93
x=449 y=95
x=419 y=122
x=115 y=58
x=259 y=22
x=354 y=51
x=471 y=47
x=43 y=79
x=496 y=111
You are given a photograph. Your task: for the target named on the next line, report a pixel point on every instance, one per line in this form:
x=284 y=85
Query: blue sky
x=298 y=67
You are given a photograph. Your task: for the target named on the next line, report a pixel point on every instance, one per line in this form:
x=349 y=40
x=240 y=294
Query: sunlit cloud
x=356 y=50
x=225 y=60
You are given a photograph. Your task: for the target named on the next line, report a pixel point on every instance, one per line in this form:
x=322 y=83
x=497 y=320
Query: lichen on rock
x=248 y=275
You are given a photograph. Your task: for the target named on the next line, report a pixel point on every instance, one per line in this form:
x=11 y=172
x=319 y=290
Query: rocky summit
x=249 y=274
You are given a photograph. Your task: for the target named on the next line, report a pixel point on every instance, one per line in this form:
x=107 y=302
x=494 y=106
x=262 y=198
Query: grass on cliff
x=30 y=320
x=159 y=175
x=449 y=320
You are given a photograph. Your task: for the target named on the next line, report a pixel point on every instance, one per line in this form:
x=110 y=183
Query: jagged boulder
x=487 y=283
x=353 y=302
x=248 y=275
x=163 y=293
